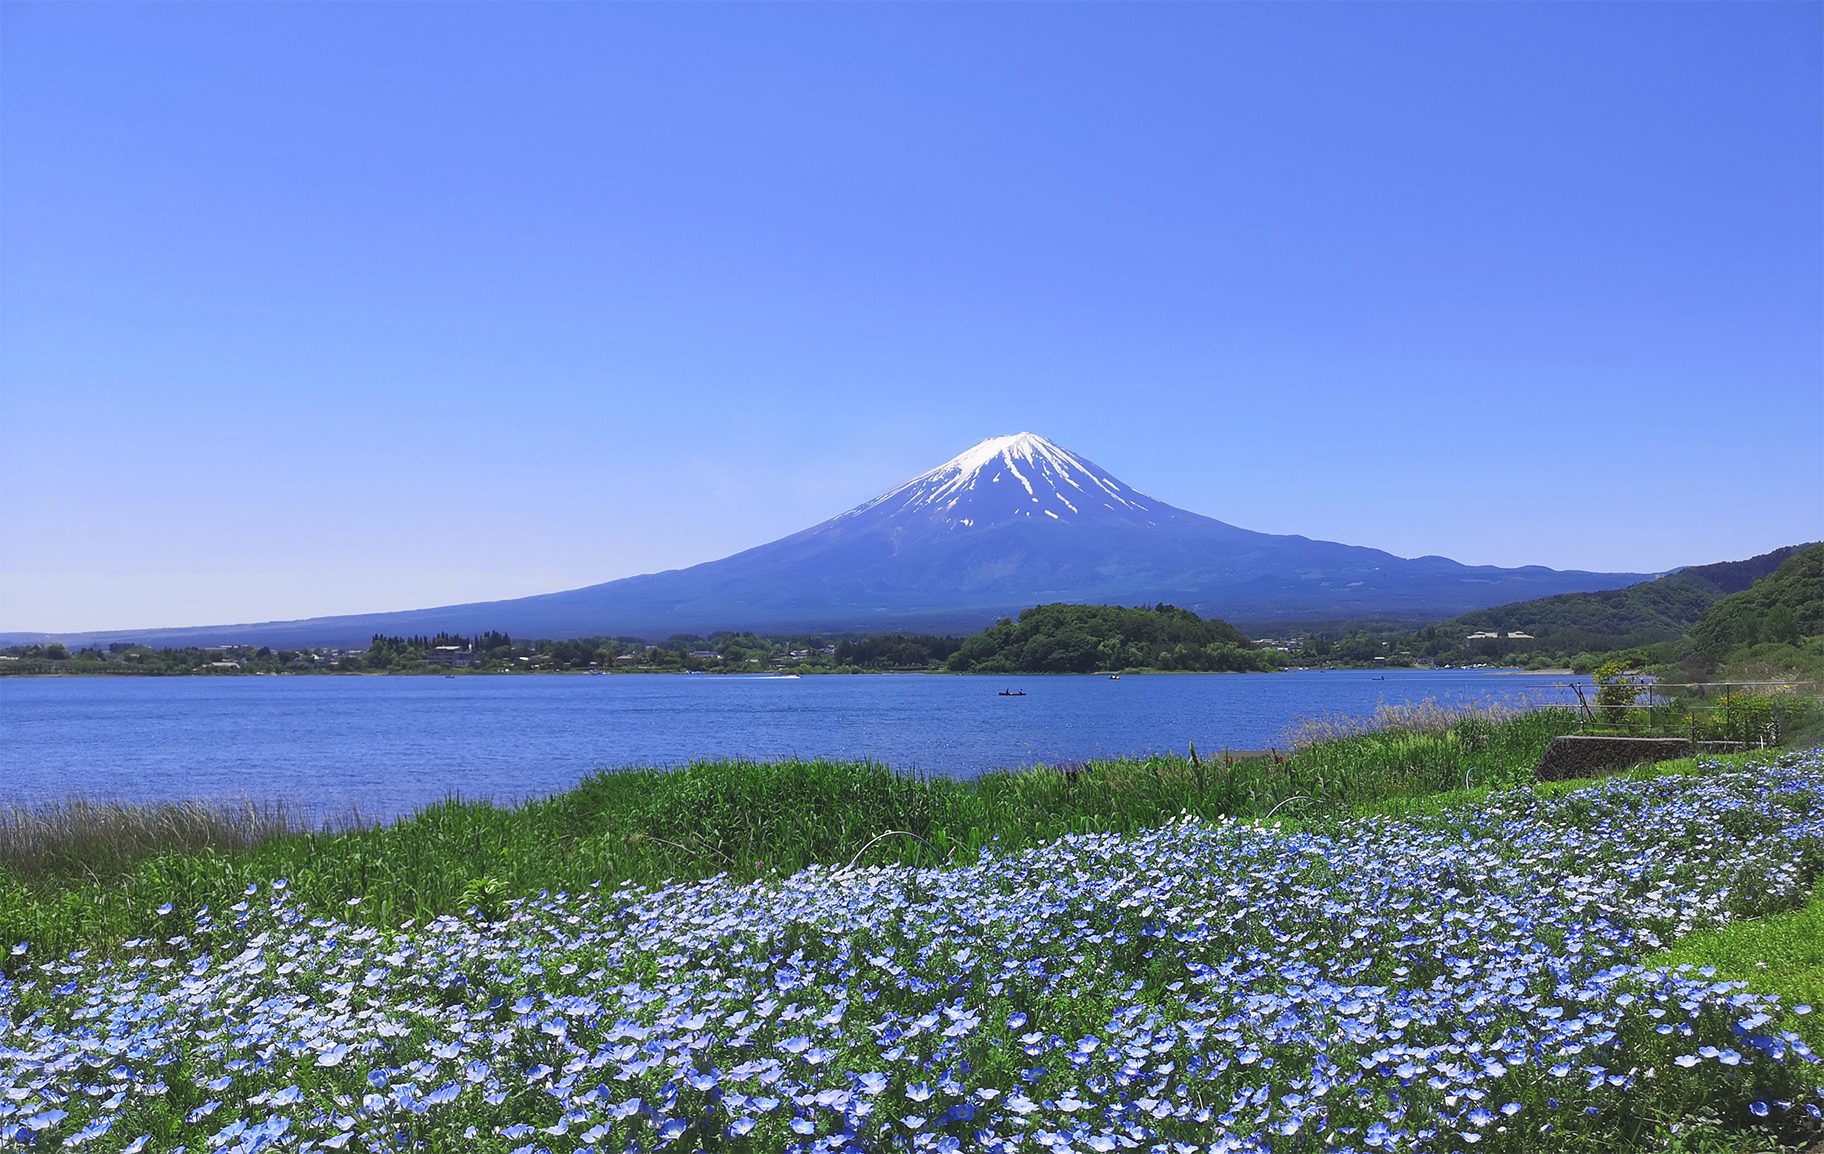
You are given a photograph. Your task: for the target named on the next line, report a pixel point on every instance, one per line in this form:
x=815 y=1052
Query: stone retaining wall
x=1590 y=755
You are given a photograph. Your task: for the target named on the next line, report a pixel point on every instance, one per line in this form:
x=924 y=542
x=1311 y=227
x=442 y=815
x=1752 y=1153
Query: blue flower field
x=1473 y=981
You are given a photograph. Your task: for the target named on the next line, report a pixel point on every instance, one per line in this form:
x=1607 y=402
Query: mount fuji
x=1013 y=522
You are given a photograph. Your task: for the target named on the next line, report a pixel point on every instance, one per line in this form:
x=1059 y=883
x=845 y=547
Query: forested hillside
x=1651 y=611
x=1106 y=638
x=1781 y=608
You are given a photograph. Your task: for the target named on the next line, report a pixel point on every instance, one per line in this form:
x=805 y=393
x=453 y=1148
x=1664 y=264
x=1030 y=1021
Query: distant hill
x=1640 y=614
x=1014 y=521
x=1785 y=605
x=1107 y=638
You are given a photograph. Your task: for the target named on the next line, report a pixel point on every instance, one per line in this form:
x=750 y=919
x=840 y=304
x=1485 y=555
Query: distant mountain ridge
x=1012 y=522
x=1640 y=614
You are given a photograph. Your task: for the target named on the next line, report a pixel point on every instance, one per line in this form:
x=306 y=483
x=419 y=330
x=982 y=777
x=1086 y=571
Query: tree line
x=498 y=652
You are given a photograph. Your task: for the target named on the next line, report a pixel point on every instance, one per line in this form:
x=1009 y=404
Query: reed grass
x=97 y=839
x=1432 y=715
x=82 y=874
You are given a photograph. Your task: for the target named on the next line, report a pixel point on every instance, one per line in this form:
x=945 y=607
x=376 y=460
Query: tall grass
x=78 y=875
x=1432 y=715
x=102 y=839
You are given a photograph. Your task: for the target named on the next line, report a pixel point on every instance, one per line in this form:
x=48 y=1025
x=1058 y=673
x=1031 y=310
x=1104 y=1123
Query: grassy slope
x=1783 y=955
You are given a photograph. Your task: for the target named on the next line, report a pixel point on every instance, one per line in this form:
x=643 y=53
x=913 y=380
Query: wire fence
x=1755 y=713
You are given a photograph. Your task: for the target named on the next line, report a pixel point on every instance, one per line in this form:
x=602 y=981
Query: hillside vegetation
x=1108 y=638
x=1651 y=611
x=1783 y=607
x=1756 y=620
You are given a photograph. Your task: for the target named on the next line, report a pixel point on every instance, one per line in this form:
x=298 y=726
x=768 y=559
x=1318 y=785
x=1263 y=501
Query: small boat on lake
x=1013 y=693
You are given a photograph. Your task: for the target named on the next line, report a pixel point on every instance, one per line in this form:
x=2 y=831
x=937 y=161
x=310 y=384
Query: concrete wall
x=1588 y=755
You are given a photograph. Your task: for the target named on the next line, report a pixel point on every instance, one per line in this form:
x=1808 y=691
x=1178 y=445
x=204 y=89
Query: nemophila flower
x=45 y=1119
x=1375 y=987
x=444 y=1094
x=287 y=1096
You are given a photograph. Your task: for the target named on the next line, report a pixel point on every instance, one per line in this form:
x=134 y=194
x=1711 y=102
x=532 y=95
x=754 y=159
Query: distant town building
x=454 y=656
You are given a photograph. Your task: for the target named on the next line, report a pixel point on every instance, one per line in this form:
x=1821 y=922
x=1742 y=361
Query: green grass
x=71 y=884
x=1782 y=954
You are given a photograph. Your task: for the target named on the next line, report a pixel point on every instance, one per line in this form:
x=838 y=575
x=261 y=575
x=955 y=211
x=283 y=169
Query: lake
x=388 y=745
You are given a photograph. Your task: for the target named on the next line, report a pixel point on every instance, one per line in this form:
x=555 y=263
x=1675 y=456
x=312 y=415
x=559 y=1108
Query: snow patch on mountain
x=964 y=491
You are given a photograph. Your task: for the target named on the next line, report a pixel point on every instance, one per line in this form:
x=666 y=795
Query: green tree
x=1616 y=688
x=1780 y=624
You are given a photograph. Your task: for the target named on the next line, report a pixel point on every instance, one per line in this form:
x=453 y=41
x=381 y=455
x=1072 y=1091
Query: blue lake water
x=388 y=745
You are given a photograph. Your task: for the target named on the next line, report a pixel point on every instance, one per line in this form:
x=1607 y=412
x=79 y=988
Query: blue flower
x=444 y=1094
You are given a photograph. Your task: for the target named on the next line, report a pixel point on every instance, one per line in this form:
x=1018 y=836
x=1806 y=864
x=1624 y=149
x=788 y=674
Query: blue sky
x=309 y=309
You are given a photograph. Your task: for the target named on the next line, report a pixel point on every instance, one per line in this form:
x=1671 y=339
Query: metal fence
x=1756 y=713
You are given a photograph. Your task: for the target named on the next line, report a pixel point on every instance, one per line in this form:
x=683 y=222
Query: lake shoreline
x=387 y=745
x=784 y=673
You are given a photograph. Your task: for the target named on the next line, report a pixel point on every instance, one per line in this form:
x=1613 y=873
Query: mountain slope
x=1012 y=522
x=1641 y=614
x=1785 y=605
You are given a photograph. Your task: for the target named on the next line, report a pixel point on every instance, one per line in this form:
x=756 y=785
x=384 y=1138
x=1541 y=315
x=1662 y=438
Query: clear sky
x=327 y=308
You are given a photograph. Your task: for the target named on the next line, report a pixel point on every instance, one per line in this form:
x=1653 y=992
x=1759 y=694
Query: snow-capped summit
x=1007 y=478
